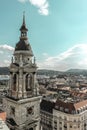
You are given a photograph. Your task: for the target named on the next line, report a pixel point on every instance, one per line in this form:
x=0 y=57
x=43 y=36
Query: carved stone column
x=10 y=84
x=20 y=83
x=17 y=82
x=28 y=82
x=24 y=86
x=13 y=81
x=33 y=83
x=34 y=128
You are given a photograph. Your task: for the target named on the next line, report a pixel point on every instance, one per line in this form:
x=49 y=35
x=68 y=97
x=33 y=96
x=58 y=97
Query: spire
x=23 y=29
x=24 y=18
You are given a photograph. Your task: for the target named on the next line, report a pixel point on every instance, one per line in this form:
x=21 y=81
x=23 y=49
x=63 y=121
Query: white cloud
x=7 y=47
x=45 y=54
x=6 y=52
x=22 y=1
x=75 y=57
x=42 y=5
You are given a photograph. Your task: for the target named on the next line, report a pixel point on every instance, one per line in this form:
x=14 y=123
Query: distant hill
x=5 y=71
x=77 y=71
x=68 y=72
x=48 y=72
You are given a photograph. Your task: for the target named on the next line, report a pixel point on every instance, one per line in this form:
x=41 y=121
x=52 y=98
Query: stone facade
x=63 y=115
x=64 y=121
x=46 y=113
x=22 y=104
x=70 y=115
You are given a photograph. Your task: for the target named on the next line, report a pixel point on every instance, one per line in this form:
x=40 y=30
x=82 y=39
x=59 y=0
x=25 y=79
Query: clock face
x=30 y=110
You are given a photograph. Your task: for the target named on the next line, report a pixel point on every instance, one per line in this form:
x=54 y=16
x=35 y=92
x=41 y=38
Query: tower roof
x=23 y=27
x=23 y=44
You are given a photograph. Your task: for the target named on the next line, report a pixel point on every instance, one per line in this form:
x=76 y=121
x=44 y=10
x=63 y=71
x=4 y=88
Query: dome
x=22 y=45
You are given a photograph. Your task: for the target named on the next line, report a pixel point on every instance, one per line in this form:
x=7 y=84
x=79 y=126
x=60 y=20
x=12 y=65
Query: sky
x=57 y=31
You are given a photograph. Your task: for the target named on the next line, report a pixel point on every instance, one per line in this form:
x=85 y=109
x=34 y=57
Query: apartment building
x=70 y=116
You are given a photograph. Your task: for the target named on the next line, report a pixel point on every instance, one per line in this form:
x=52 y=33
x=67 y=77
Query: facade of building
x=46 y=113
x=22 y=104
x=63 y=115
x=70 y=116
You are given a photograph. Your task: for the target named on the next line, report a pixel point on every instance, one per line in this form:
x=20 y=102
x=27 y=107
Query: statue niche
x=28 y=82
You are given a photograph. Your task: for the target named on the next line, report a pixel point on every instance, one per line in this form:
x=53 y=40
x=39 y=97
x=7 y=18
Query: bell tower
x=22 y=104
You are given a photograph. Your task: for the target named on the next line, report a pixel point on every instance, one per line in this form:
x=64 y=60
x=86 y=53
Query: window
x=12 y=112
x=65 y=118
x=70 y=126
x=54 y=129
x=73 y=112
x=61 y=108
x=78 y=111
x=60 y=122
x=66 y=109
x=55 y=124
x=60 y=117
x=31 y=129
x=81 y=118
x=65 y=125
x=74 y=120
x=30 y=110
x=14 y=82
x=28 y=82
x=78 y=126
x=84 y=124
x=56 y=107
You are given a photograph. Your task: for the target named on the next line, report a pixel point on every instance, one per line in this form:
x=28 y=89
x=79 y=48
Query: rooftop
x=47 y=106
x=71 y=108
x=2 y=115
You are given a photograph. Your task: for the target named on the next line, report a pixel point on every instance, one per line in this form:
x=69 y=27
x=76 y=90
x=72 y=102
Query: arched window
x=31 y=129
x=28 y=82
x=14 y=82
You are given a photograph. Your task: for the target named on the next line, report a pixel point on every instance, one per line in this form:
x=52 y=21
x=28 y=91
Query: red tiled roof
x=65 y=105
x=3 y=116
x=78 y=94
x=80 y=104
x=72 y=107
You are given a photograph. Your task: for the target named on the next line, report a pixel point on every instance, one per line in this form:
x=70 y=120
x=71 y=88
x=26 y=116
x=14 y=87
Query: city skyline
x=57 y=31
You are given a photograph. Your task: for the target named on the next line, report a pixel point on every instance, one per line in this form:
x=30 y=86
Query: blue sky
x=57 y=31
